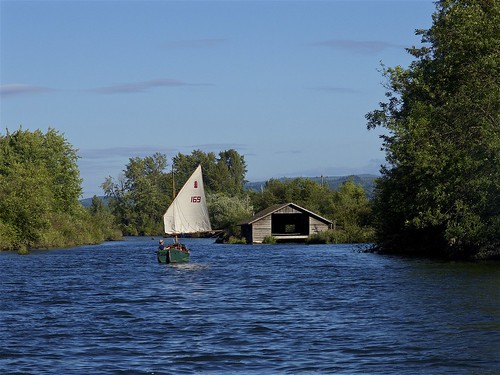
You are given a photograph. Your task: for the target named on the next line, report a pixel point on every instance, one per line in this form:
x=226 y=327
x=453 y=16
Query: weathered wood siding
x=316 y=226
x=284 y=221
x=287 y=210
x=261 y=229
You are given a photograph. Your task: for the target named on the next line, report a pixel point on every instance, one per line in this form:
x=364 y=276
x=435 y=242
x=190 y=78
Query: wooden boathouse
x=285 y=222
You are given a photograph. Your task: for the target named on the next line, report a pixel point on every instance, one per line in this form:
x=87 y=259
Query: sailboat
x=187 y=214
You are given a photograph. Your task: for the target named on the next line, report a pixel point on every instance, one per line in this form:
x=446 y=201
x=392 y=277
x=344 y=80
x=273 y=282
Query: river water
x=260 y=309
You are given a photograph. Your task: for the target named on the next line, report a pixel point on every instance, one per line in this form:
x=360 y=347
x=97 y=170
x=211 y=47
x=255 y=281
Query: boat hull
x=173 y=255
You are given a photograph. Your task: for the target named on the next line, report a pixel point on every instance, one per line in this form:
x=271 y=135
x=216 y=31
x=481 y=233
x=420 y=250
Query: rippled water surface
x=112 y=309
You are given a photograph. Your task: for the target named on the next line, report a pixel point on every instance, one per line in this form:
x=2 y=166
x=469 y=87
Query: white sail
x=188 y=212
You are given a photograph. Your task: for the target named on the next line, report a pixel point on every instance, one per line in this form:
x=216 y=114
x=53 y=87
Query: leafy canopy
x=142 y=194
x=40 y=187
x=440 y=191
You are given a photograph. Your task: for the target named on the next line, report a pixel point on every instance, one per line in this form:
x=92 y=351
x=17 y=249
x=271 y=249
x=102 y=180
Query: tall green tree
x=348 y=208
x=303 y=191
x=184 y=165
x=224 y=173
x=440 y=191
x=232 y=167
x=226 y=212
x=40 y=187
x=35 y=169
x=141 y=195
x=352 y=208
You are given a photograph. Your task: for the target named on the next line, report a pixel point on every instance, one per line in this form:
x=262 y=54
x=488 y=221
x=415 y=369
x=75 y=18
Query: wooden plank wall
x=261 y=229
x=288 y=210
x=316 y=226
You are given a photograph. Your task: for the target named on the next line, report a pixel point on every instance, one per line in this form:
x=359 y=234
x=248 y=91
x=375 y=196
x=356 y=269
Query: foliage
x=304 y=192
x=223 y=174
x=226 y=212
x=39 y=189
x=351 y=234
x=142 y=194
x=367 y=181
x=103 y=222
x=348 y=208
x=440 y=193
x=351 y=206
x=235 y=240
x=269 y=240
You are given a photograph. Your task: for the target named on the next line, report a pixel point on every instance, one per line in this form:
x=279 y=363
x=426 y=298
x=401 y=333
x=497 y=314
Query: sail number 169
x=195 y=199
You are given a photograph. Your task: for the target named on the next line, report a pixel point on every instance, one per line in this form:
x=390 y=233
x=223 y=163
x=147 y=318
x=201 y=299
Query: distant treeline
x=139 y=197
x=367 y=182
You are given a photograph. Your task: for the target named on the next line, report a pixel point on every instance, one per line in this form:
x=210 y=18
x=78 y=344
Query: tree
x=232 y=167
x=141 y=195
x=26 y=202
x=439 y=194
x=348 y=208
x=226 y=212
x=145 y=190
x=225 y=173
x=351 y=206
x=184 y=166
x=39 y=190
x=302 y=191
x=35 y=171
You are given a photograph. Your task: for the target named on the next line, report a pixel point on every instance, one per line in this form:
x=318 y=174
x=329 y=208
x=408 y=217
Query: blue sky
x=285 y=83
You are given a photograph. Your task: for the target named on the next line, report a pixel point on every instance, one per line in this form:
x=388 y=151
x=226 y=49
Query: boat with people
x=187 y=214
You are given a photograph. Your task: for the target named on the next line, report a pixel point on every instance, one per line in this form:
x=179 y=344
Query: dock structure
x=286 y=222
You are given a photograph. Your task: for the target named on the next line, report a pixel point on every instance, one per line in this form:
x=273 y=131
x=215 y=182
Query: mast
x=188 y=211
x=173 y=196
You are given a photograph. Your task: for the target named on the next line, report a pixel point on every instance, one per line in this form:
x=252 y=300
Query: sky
x=287 y=84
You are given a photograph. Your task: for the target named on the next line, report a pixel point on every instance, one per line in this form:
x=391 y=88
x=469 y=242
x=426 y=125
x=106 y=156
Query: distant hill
x=87 y=202
x=334 y=182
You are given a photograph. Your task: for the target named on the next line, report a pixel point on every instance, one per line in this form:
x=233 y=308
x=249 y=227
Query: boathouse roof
x=277 y=207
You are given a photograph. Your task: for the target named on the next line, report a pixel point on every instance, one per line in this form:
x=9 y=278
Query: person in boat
x=161 y=246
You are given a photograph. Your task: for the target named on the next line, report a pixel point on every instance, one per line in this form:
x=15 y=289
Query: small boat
x=187 y=214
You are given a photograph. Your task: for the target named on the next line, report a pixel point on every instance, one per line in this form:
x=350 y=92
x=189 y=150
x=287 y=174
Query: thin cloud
x=142 y=151
x=195 y=43
x=14 y=89
x=135 y=87
x=288 y=152
x=116 y=152
x=217 y=147
x=361 y=47
x=334 y=89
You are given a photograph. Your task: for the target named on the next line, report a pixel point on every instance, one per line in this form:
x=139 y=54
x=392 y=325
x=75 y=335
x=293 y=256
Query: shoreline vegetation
x=438 y=195
x=39 y=189
x=229 y=199
x=41 y=185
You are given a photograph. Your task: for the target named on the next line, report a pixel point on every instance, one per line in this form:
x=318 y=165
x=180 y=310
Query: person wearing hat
x=161 y=246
